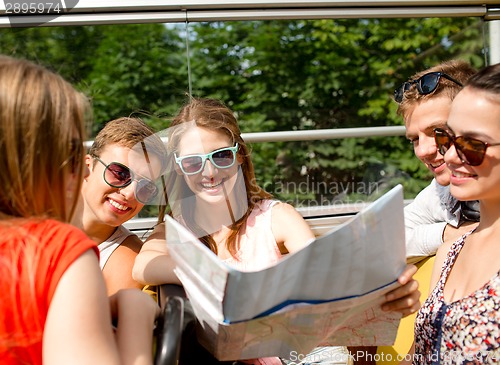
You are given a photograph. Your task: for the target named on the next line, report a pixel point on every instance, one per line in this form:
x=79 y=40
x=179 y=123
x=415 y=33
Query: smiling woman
x=213 y=192
x=460 y=320
x=207 y=127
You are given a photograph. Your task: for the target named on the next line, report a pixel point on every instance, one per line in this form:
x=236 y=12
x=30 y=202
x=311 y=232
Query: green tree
x=275 y=75
x=125 y=69
x=63 y=49
x=297 y=75
x=138 y=69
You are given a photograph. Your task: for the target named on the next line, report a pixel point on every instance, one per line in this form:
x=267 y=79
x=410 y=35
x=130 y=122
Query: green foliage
x=328 y=74
x=138 y=69
x=64 y=50
x=275 y=75
x=125 y=69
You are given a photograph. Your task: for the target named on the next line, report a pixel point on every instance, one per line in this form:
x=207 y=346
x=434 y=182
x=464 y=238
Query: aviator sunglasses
x=118 y=175
x=470 y=150
x=222 y=158
x=425 y=84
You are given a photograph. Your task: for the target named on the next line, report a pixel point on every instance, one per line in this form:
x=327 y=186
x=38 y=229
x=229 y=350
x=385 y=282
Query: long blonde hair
x=41 y=134
x=41 y=147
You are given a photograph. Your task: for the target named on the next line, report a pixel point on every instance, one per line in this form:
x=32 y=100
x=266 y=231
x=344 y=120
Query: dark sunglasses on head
x=118 y=175
x=470 y=150
x=222 y=158
x=425 y=84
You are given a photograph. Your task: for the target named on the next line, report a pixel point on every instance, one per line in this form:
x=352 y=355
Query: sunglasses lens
x=146 y=191
x=428 y=83
x=192 y=164
x=223 y=158
x=117 y=175
x=470 y=150
x=398 y=94
x=443 y=141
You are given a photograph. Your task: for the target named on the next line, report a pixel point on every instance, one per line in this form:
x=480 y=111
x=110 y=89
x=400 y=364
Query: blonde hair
x=132 y=133
x=125 y=131
x=42 y=120
x=457 y=69
x=214 y=115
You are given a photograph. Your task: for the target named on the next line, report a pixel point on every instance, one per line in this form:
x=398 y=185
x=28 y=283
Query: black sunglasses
x=118 y=175
x=425 y=84
x=470 y=150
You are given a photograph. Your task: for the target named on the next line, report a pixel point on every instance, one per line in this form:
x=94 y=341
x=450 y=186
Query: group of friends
x=71 y=274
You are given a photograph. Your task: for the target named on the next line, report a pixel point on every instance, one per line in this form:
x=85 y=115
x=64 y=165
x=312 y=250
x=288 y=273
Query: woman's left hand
x=404 y=299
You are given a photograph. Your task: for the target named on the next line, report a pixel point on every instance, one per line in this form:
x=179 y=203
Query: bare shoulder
x=133 y=243
x=441 y=255
x=284 y=210
x=442 y=252
x=284 y=215
x=289 y=227
x=156 y=241
x=118 y=269
x=158 y=232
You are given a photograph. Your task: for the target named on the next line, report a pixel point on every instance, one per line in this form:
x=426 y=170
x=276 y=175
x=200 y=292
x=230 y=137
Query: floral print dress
x=466 y=331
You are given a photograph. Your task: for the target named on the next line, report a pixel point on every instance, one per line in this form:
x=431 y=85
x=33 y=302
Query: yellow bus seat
x=388 y=355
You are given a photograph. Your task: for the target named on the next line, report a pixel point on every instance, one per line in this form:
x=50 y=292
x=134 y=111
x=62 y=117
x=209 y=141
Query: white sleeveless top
x=107 y=247
x=258 y=248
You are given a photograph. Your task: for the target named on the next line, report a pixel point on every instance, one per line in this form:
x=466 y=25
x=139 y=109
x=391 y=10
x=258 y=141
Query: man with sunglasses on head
x=125 y=161
x=435 y=215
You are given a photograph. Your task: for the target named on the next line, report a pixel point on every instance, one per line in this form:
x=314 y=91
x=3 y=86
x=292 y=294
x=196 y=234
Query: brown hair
x=488 y=80
x=126 y=132
x=457 y=69
x=131 y=133
x=42 y=121
x=214 y=115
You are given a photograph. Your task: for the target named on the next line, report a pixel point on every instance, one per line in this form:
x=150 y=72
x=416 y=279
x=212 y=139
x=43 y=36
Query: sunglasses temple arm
x=163 y=204
x=452 y=79
x=146 y=155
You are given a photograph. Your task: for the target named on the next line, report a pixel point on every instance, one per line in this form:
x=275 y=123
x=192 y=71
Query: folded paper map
x=328 y=293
